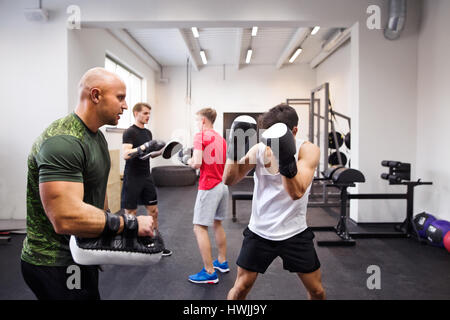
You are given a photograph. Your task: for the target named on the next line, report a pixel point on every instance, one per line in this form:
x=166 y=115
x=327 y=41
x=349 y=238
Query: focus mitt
x=122 y=249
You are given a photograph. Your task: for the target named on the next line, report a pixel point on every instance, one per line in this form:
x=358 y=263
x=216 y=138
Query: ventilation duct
x=397 y=19
x=337 y=39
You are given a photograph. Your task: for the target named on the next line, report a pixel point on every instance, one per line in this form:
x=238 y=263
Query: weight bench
x=240 y=195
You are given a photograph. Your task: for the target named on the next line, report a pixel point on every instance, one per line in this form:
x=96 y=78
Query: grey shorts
x=211 y=205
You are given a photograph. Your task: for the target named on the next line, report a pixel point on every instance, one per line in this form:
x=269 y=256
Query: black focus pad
x=125 y=248
x=171 y=149
x=127 y=241
x=119 y=243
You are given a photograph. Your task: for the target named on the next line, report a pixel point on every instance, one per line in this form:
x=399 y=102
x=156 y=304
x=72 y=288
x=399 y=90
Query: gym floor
x=409 y=270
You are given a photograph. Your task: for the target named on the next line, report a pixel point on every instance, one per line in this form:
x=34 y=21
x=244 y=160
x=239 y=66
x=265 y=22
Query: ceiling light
x=295 y=55
x=195 y=32
x=254 y=31
x=315 y=30
x=249 y=56
x=203 y=55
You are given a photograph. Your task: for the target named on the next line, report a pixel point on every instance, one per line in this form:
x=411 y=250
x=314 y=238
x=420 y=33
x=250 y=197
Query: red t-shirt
x=214 y=149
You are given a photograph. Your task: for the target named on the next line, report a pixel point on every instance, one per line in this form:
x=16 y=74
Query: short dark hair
x=208 y=113
x=138 y=107
x=281 y=113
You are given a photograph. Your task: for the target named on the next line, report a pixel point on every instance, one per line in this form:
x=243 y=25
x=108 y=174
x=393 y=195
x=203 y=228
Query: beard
x=110 y=120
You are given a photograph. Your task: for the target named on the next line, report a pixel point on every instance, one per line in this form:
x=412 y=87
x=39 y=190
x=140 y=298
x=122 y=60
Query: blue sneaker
x=204 y=277
x=222 y=267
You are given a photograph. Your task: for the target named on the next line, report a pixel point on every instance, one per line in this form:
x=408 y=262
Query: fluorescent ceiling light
x=195 y=32
x=249 y=56
x=295 y=55
x=315 y=30
x=202 y=54
x=254 y=31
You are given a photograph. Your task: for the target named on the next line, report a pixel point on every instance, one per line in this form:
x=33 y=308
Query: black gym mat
x=408 y=270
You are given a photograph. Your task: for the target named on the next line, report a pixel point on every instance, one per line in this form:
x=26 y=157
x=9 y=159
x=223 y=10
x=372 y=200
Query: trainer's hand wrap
x=130 y=230
x=112 y=224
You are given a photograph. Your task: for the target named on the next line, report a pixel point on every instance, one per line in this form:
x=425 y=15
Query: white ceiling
x=228 y=46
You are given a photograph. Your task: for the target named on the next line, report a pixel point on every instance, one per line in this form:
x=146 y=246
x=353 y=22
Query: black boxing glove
x=185 y=154
x=144 y=150
x=282 y=142
x=242 y=137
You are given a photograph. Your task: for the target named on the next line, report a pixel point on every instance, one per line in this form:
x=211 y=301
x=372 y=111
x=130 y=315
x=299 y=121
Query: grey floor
x=408 y=270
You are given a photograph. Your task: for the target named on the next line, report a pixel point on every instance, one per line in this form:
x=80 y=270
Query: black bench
x=240 y=195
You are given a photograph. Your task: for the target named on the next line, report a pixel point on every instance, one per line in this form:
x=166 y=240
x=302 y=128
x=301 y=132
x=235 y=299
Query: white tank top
x=275 y=216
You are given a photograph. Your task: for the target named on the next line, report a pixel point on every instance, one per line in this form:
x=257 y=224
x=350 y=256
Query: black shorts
x=51 y=283
x=138 y=190
x=298 y=252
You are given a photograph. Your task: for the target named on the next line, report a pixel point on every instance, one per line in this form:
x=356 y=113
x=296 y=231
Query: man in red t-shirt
x=212 y=197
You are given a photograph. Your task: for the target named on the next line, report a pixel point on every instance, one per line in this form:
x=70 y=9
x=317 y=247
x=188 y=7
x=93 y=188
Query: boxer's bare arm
x=196 y=160
x=127 y=148
x=308 y=159
x=236 y=171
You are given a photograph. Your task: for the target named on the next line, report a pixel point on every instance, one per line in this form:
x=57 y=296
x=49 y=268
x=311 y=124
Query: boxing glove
x=242 y=137
x=282 y=142
x=185 y=154
x=144 y=150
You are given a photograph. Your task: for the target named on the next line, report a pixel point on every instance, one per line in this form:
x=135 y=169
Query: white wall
x=433 y=112
x=387 y=114
x=33 y=60
x=87 y=49
x=336 y=70
x=251 y=89
x=376 y=79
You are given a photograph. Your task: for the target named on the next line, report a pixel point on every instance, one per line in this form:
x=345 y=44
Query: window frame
x=141 y=79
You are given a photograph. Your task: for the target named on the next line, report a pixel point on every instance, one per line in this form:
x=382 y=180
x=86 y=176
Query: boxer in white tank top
x=275 y=216
x=283 y=178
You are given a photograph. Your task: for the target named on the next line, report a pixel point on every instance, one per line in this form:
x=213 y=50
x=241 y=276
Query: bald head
x=97 y=78
x=101 y=98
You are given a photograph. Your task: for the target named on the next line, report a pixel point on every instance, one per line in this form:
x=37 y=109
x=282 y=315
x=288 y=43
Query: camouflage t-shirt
x=66 y=151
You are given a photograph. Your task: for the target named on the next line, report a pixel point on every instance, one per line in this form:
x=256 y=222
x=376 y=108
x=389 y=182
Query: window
x=134 y=90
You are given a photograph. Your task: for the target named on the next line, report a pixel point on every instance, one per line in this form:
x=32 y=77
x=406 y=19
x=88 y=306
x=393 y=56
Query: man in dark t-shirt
x=68 y=169
x=138 y=186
